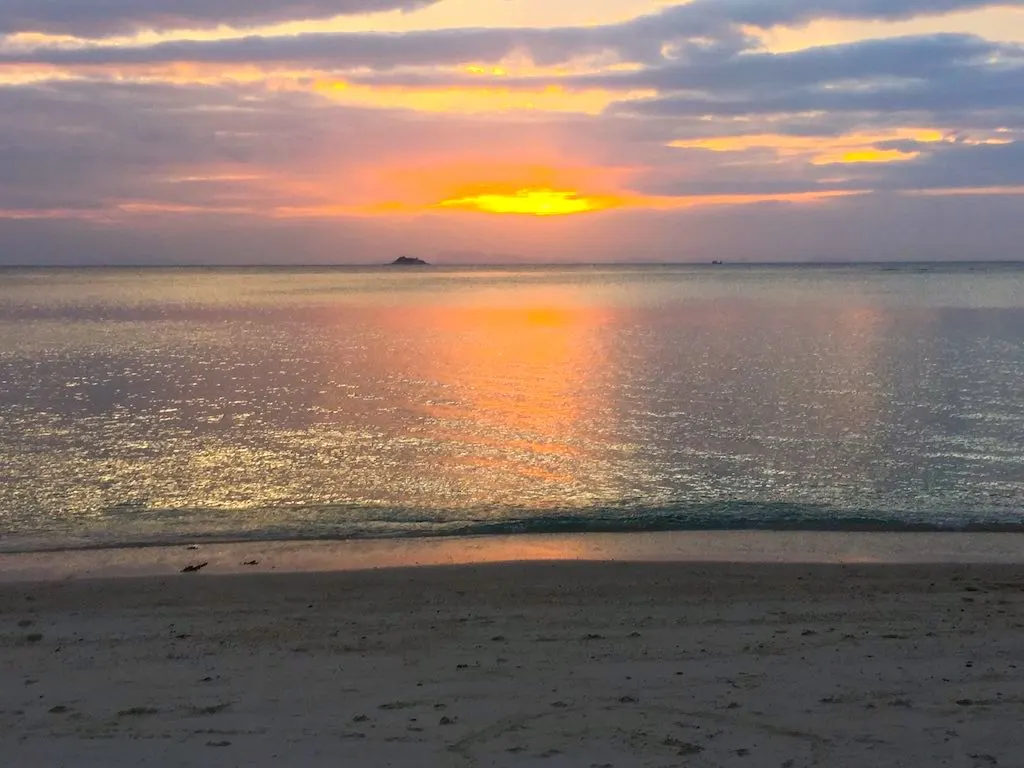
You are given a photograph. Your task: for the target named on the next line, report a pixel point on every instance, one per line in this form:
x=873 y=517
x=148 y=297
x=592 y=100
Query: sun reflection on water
x=513 y=390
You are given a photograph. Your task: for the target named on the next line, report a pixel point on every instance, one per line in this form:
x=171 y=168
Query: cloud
x=101 y=18
x=331 y=51
x=762 y=14
x=140 y=163
x=923 y=57
x=919 y=57
x=696 y=31
x=948 y=82
x=949 y=79
x=952 y=166
x=90 y=145
x=960 y=91
x=99 y=145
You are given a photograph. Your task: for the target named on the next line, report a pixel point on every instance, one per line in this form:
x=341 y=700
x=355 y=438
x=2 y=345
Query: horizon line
x=524 y=264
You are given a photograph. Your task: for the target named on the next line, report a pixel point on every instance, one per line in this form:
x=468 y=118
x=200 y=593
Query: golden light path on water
x=515 y=383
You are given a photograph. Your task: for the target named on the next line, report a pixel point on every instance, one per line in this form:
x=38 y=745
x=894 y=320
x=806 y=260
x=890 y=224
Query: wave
x=133 y=526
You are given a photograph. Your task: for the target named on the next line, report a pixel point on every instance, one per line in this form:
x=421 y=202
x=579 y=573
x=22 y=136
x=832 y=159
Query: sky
x=482 y=131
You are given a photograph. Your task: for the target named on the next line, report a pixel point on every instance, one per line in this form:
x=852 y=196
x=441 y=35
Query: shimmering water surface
x=167 y=405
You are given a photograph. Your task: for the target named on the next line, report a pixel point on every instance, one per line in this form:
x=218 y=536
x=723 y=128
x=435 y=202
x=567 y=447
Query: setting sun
x=532 y=202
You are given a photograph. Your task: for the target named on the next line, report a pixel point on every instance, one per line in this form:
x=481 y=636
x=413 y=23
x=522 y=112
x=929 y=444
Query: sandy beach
x=547 y=664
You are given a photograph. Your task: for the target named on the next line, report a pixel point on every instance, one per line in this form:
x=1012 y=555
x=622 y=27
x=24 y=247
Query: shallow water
x=169 y=405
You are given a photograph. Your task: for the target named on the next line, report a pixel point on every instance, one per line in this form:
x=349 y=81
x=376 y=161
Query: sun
x=532 y=201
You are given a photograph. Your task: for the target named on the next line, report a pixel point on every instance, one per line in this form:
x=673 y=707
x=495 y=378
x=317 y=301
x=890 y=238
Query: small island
x=408 y=261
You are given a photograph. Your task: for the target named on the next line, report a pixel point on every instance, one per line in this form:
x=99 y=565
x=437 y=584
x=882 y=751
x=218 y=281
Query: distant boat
x=716 y=261
x=408 y=261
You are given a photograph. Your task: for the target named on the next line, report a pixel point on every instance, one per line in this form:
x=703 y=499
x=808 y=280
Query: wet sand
x=545 y=664
x=835 y=547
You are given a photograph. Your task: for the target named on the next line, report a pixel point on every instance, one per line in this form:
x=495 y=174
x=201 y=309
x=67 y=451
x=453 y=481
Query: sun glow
x=533 y=202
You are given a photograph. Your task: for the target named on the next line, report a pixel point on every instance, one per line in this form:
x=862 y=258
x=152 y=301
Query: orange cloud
x=852 y=148
x=472 y=98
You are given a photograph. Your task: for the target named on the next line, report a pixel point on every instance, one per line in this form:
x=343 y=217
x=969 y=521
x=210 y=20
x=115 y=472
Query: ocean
x=155 y=406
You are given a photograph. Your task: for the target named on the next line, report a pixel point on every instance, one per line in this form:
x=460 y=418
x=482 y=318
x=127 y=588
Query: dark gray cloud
x=950 y=166
x=330 y=51
x=919 y=56
x=988 y=88
x=89 y=145
x=765 y=14
x=938 y=75
x=353 y=50
x=98 y=18
x=707 y=30
x=721 y=19
x=950 y=82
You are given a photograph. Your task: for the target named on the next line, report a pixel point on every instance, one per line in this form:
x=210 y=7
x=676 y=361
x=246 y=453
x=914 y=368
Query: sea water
x=170 y=405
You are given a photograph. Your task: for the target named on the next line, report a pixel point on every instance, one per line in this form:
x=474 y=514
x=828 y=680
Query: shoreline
x=634 y=665
x=745 y=547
